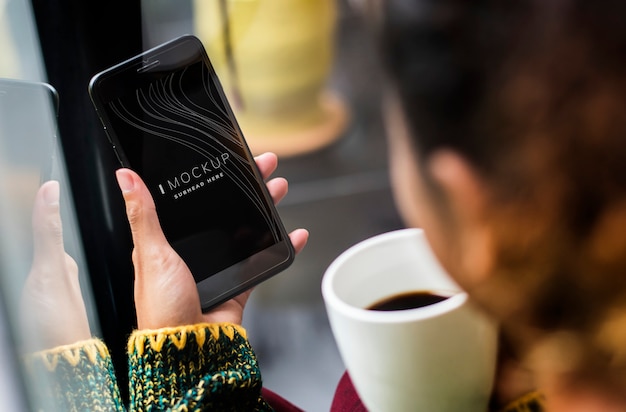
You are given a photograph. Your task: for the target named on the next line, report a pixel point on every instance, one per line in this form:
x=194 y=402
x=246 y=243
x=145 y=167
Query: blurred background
x=304 y=80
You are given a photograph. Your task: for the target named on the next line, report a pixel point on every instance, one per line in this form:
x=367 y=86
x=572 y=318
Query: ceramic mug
x=437 y=358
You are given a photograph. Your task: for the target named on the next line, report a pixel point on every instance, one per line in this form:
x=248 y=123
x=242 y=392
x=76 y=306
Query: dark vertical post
x=78 y=39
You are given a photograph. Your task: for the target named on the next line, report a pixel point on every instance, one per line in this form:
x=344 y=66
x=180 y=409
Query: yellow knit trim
x=72 y=353
x=157 y=341
x=230 y=332
x=179 y=343
x=50 y=362
x=98 y=348
x=72 y=356
x=215 y=331
x=201 y=336
x=156 y=338
x=521 y=404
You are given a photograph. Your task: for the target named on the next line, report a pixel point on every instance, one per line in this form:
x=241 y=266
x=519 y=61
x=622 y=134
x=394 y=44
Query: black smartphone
x=167 y=118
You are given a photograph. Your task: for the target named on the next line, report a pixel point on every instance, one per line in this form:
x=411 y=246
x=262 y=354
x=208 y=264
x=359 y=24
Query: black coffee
x=408 y=300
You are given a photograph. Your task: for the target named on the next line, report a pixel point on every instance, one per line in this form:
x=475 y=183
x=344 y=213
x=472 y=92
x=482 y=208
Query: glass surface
x=30 y=155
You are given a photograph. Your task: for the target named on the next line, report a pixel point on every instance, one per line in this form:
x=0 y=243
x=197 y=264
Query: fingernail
x=51 y=193
x=125 y=180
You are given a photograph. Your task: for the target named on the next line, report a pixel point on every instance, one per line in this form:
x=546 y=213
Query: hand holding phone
x=168 y=119
x=165 y=290
x=52 y=310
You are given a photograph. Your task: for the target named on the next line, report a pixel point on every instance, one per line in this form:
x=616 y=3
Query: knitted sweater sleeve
x=73 y=378
x=194 y=368
x=189 y=368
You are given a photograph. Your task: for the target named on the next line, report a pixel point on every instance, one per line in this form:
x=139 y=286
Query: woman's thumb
x=47 y=227
x=140 y=209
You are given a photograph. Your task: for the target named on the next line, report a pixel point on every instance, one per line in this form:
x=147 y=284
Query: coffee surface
x=408 y=300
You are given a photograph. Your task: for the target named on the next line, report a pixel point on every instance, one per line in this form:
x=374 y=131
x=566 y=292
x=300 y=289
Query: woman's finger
x=278 y=188
x=267 y=164
x=299 y=239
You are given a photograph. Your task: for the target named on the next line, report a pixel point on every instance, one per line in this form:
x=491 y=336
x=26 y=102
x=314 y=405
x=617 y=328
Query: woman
x=507 y=140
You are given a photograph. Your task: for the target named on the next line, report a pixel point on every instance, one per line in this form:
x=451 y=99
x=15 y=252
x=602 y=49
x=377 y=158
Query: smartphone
x=167 y=117
x=28 y=132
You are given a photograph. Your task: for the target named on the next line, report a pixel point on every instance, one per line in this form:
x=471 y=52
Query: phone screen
x=171 y=123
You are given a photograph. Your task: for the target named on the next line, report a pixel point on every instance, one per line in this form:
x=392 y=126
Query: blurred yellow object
x=281 y=54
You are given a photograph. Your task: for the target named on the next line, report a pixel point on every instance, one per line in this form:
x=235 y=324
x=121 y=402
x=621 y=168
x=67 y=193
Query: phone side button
x=106 y=132
x=117 y=155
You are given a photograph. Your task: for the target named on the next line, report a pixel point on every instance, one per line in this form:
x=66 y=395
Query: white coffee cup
x=436 y=358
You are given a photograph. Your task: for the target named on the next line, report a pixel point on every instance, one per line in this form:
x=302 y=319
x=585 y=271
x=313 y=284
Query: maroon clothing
x=346 y=398
x=278 y=403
